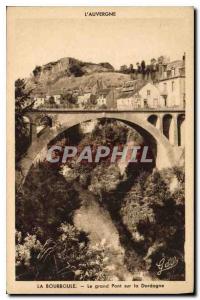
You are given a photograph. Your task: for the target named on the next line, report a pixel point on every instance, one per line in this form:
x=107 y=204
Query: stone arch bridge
x=164 y=129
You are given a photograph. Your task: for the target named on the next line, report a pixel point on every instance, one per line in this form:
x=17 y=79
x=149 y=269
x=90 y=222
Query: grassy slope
x=85 y=82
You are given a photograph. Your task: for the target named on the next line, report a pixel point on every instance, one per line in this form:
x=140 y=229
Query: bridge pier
x=33 y=132
x=175 y=130
x=160 y=124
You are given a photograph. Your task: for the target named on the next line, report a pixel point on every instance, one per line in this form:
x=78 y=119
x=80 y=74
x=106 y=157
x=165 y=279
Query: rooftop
x=175 y=64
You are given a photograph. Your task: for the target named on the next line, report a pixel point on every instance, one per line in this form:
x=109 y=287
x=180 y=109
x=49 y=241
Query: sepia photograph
x=101 y=123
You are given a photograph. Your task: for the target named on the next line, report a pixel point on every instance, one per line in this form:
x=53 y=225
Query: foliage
x=155 y=215
x=101 y=176
x=21 y=107
x=69 y=257
x=70 y=98
x=44 y=202
x=27 y=250
x=76 y=70
x=51 y=100
x=134 y=208
x=142 y=70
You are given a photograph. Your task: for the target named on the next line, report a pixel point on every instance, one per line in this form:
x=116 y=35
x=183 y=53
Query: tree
x=153 y=61
x=22 y=105
x=134 y=209
x=123 y=69
x=138 y=67
x=70 y=98
x=51 y=100
x=131 y=68
x=41 y=211
x=93 y=99
x=143 y=67
x=161 y=59
x=68 y=257
x=155 y=218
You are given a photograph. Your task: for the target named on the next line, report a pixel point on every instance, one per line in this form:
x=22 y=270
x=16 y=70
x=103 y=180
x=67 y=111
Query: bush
x=155 y=217
x=45 y=201
x=68 y=257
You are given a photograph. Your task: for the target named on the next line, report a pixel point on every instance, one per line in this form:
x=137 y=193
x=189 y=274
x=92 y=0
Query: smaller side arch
x=153 y=119
x=168 y=127
x=156 y=121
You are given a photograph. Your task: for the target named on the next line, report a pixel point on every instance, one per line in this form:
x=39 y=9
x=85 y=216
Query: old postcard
x=100 y=143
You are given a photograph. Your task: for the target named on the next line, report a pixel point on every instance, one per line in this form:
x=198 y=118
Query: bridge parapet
x=138 y=110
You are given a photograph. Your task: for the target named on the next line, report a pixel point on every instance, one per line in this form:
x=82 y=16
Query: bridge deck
x=71 y=111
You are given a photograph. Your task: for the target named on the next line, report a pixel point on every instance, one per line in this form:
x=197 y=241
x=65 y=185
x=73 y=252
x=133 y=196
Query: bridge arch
x=168 y=127
x=153 y=119
x=165 y=156
x=148 y=138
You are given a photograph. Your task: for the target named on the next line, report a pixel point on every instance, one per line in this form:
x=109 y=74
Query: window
x=172 y=86
x=145 y=103
x=148 y=92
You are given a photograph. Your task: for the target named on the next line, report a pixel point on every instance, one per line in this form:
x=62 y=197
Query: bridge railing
x=110 y=110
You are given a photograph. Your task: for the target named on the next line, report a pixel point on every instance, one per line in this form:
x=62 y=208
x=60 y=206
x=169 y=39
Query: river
x=96 y=221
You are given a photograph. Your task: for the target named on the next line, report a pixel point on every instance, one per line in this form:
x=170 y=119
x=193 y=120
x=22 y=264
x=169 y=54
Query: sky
x=117 y=41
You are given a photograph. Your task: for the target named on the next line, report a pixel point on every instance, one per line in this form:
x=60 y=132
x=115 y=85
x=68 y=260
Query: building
x=111 y=97
x=84 y=99
x=101 y=100
x=47 y=98
x=172 y=83
x=150 y=96
x=146 y=97
x=128 y=86
x=102 y=96
x=39 y=100
x=127 y=101
x=132 y=85
x=57 y=99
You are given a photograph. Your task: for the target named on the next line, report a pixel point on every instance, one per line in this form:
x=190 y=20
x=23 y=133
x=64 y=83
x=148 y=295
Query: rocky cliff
x=64 y=72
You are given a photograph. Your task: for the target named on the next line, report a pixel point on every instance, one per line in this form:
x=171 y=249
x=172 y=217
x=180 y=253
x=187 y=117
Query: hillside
x=69 y=74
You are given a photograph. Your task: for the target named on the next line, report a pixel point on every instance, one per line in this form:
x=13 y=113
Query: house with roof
x=132 y=85
x=84 y=99
x=127 y=101
x=172 y=83
x=57 y=99
x=102 y=97
x=147 y=96
x=101 y=100
x=38 y=101
x=150 y=96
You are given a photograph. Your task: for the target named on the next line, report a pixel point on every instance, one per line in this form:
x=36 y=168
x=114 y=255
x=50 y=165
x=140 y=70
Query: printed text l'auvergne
x=100 y=14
